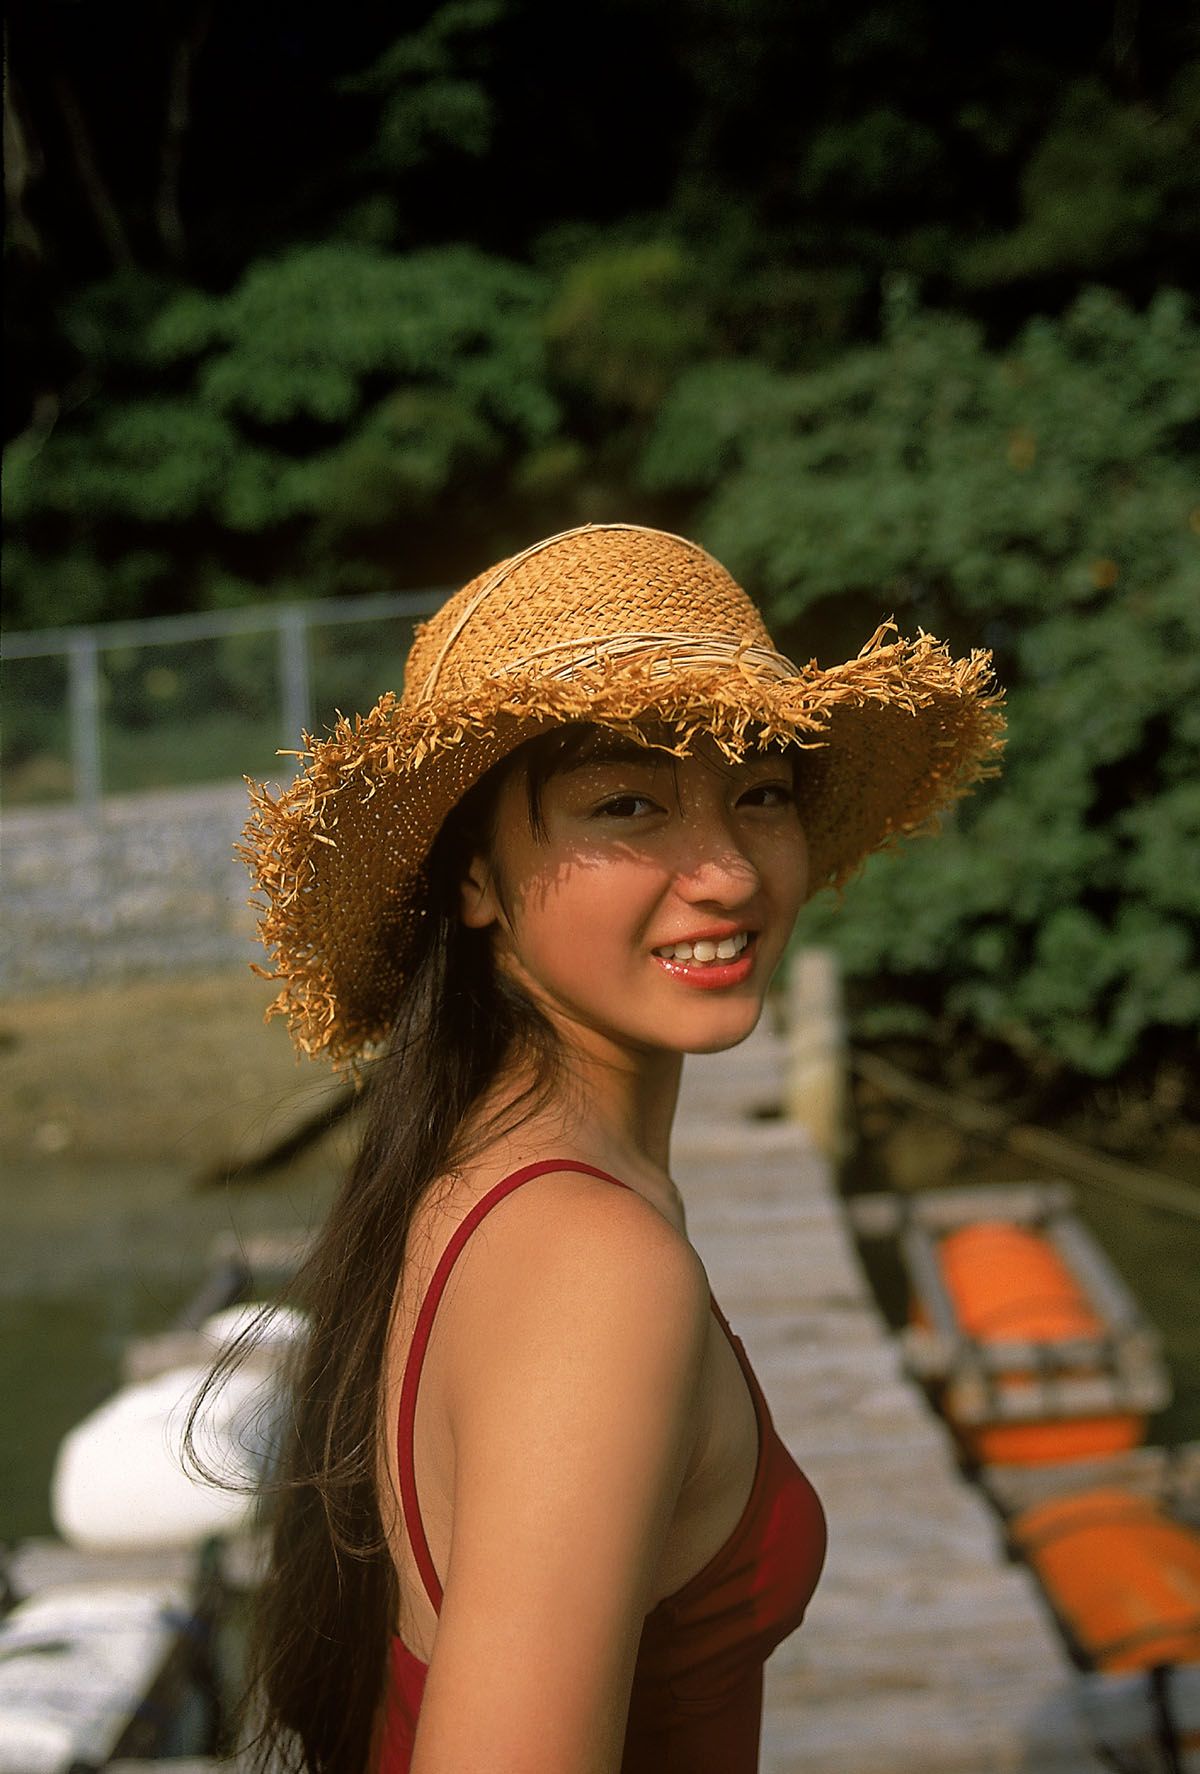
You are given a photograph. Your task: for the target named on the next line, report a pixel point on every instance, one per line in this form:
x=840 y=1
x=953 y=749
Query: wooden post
x=816 y=1069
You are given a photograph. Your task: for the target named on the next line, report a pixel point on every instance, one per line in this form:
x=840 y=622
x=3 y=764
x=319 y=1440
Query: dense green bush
x=337 y=391
x=1041 y=501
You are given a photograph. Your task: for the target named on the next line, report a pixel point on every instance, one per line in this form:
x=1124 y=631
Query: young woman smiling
x=533 y=1516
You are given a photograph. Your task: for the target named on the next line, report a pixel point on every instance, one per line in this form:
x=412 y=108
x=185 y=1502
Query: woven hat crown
x=605 y=590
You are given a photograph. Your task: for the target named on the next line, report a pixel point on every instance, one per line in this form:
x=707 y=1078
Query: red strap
x=412 y=1368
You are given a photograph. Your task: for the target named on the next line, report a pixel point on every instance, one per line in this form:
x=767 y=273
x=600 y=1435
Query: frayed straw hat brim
x=891 y=739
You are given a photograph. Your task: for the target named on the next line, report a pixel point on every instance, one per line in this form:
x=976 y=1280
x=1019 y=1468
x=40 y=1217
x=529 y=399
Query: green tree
x=1104 y=181
x=335 y=394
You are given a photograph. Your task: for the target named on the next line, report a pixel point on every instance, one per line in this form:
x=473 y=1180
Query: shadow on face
x=535 y=764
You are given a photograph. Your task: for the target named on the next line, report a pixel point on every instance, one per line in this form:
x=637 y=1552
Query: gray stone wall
x=147 y=883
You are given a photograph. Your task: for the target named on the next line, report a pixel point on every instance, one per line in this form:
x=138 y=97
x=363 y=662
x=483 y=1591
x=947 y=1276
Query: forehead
x=612 y=748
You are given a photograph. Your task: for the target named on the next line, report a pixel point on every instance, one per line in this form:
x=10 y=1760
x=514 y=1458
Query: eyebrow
x=617 y=753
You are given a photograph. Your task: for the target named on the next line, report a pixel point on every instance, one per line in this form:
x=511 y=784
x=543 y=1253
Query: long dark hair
x=326 y=1607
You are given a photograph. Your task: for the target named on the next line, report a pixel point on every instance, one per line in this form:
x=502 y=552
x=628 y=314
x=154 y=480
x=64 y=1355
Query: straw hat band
x=675 y=649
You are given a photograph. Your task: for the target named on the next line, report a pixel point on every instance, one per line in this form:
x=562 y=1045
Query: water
x=1158 y=1256
x=89 y=1260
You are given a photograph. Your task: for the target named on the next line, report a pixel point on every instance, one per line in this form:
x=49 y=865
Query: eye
x=785 y=794
x=618 y=807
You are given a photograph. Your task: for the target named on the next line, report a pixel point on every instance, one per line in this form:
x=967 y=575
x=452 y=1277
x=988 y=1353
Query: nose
x=714 y=866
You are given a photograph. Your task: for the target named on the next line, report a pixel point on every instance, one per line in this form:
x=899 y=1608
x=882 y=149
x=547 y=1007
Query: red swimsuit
x=696 y=1701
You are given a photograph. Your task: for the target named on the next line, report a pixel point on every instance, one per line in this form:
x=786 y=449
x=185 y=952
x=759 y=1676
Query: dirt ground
x=1145 y=1124
x=174 y=1071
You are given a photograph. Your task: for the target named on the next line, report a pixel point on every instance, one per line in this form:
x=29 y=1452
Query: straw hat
x=608 y=623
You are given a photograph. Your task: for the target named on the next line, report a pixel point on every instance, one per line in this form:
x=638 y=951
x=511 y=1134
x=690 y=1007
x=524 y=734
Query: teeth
x=707 y=950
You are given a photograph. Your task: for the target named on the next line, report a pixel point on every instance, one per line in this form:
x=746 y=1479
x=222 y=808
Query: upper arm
x=572 y=1440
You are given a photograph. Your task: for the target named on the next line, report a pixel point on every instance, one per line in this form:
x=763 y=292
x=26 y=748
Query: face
x=642 y=852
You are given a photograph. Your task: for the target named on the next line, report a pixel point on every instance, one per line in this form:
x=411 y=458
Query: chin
x=739 y=1029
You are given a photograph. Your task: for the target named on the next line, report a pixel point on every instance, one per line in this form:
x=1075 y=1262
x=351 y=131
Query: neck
x=624 y=1104
x=615 y=1110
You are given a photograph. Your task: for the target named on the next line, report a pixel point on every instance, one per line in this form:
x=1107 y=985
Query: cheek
x=801 y=867
x=593 y=913
x=786 y=863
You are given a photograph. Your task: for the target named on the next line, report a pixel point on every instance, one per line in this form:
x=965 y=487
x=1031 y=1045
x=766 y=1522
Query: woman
x=533 y=1513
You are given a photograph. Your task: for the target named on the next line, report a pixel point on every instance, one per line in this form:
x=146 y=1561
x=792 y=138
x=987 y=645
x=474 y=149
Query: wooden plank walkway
x=924 y=1651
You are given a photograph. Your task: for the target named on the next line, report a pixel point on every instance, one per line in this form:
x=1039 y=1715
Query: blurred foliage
x=1104 y=182
x=625 y=322
x=1042 y=501
x=294 y=374
x=335 y=390
x=429 y=98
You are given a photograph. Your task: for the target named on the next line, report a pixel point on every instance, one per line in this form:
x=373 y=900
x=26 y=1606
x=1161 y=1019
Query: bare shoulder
x=562 y=1253
x=586 y=1321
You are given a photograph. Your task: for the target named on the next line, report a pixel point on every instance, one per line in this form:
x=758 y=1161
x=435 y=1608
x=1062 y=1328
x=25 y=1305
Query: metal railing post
x=84 y=694
x=294 y=677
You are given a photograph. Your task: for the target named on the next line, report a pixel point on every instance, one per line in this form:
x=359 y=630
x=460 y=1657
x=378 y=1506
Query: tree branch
x=23 y=162
x=104 y=211
x=167 y=211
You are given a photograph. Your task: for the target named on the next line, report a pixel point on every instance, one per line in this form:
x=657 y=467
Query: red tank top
x=696 y=1700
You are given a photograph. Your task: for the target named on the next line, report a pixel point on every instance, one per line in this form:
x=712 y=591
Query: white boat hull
x=120 y=1480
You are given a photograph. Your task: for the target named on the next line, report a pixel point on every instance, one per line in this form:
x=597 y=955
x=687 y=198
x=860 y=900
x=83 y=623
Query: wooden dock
x=925 y=1651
